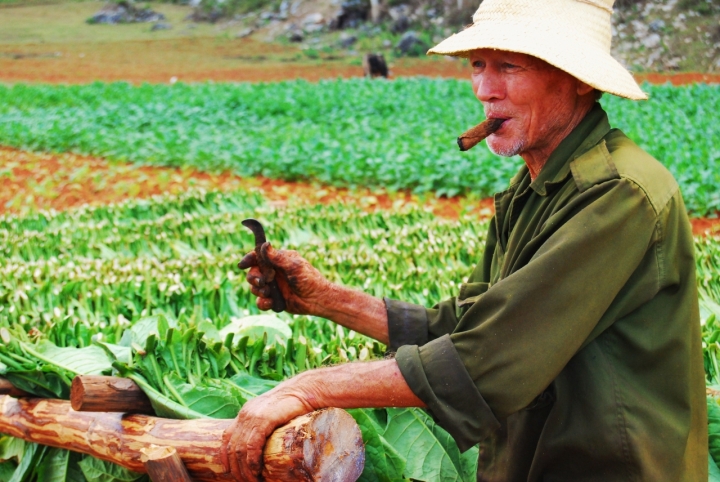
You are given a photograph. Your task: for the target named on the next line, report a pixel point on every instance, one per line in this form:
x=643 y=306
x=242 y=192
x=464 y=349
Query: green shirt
x=573 y=353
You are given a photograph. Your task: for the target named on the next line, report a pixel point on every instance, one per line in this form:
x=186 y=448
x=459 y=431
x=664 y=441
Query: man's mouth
x=502 y=124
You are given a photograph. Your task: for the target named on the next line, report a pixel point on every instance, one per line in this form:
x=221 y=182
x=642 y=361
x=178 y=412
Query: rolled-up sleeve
x=514 y=340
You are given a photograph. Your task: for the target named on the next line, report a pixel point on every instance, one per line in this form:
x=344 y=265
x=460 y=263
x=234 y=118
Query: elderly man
x=573 y=352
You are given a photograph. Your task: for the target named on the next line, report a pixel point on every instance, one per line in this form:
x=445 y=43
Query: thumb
x=271 y=255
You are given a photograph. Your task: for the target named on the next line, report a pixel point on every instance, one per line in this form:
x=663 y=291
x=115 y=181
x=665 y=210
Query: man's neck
x=536 y=159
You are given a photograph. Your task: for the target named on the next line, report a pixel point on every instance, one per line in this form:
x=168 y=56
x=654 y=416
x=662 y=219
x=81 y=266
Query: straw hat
x=572 y=35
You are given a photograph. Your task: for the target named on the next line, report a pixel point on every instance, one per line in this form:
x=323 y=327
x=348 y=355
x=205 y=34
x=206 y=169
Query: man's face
x=537 y=99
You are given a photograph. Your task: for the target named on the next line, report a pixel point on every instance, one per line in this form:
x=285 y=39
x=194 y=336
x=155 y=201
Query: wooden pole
x=330 y=440
x=94 y=393
x=163 y=464
x=7 y=388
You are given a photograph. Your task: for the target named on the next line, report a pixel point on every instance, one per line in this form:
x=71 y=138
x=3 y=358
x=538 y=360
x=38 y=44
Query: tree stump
x=374 y=65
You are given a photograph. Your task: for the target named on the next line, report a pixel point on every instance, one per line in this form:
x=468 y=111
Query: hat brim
x=587 y=63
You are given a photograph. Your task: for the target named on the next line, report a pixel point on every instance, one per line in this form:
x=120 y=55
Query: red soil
x=63 y=181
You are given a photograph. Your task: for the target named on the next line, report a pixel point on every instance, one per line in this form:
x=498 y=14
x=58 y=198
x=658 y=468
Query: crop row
x=396 y=135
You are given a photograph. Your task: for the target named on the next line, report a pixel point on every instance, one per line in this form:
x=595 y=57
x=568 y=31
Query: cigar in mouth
x=475 y=135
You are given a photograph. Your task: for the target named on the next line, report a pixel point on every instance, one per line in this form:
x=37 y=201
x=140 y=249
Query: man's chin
x=505 y=149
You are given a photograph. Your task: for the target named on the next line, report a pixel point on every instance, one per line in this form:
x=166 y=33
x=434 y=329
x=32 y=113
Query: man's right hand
x=302 y=286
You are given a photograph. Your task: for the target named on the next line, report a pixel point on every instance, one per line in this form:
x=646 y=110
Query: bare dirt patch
x=33 y=181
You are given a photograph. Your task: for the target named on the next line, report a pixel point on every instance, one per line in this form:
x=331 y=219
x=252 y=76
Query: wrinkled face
x=537 y=99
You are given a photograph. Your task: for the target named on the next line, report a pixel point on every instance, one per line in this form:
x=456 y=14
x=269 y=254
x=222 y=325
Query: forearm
x=357 y=311
x=354 y=385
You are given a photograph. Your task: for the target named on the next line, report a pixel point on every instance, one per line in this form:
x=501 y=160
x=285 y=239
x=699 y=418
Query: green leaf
x=100 y=471
x=255 y=326
x=123 y=354
x=252 y=386
x=430 y=451
x=713 y=470
x=382 y=462
x=165 y=406
x=714 y=429
x=212 y=398
x=7 y=469
x=11 y=448
x=58 y=465
x=90 y=360
x=31 y=454
x=45 y=383
x=139 y=332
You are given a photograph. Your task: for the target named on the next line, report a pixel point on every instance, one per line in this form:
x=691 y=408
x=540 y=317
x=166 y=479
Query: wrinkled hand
x=257 y=420
x=302 y=286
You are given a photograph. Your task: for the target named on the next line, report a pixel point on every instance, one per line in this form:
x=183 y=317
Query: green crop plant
x=396 y=135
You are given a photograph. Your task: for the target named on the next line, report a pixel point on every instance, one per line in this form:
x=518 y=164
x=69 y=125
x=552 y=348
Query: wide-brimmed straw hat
x=572 y=35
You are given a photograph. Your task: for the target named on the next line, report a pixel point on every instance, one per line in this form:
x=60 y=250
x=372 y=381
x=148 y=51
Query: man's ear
x=583 y=88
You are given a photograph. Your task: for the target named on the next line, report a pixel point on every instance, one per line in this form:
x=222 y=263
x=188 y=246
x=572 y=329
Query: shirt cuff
x=407 y=324
x=437 y=376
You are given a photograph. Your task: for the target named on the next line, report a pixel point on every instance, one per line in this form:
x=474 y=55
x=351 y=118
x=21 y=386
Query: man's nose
x=489 y=87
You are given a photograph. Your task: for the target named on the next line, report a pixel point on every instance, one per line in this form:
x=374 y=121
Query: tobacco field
x=398 y=135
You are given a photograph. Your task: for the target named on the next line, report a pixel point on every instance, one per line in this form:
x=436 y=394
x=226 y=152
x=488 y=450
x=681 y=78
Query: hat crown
x=586 y=19
x=572 y=35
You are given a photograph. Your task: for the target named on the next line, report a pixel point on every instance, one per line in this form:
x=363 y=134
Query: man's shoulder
x=618 y=157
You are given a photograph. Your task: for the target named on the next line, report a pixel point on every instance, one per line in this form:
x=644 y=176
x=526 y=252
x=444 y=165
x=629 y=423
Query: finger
x=269 y=275
x=264 y=303
x=248 y=261
x=255 y=277
x=234 y=450
x=261 y=292
x=275 y=257
x=251 y=464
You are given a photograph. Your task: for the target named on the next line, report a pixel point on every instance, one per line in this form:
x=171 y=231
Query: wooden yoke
x=324 y=445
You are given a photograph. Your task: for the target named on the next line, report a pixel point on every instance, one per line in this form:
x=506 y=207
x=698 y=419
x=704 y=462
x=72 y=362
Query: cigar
x=475 y=135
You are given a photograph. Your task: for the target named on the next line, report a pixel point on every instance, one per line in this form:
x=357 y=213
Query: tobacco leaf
x=382 y=462
x=100 y=471
x=252 y=386
x=58 y=465
x=255 y=326
x=430 y=452
x=90 y=360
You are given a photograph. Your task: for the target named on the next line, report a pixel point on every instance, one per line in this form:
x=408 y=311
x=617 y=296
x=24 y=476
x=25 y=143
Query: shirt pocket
x=469 y=294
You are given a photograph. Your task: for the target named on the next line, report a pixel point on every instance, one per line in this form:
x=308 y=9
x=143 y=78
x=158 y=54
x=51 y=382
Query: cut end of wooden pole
x=94 y=393
x=322 y=446
x=163 y=464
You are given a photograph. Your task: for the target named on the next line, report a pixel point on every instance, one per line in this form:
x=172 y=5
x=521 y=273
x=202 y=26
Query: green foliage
x=100 y=471
x=714 y=429
x=397 y=135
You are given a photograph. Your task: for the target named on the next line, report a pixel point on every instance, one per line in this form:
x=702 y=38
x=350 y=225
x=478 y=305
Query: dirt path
x=62 y=181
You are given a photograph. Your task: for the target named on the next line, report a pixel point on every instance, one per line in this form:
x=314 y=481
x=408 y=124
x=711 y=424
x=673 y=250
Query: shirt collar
x=585 y=136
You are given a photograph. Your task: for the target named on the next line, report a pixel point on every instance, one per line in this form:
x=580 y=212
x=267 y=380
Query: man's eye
x=478 y=64
x=508 y=66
